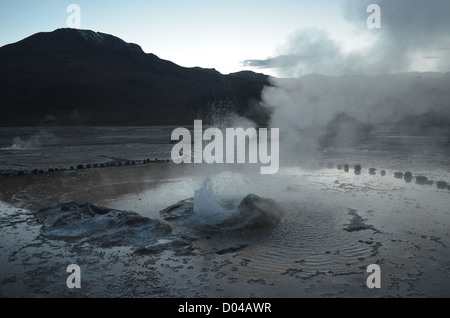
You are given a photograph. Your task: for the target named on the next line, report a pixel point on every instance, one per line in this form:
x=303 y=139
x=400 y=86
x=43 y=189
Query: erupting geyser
x=252 y=213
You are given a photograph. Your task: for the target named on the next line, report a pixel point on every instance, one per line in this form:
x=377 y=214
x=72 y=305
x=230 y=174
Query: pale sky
x=293 y=37
x=209 y=34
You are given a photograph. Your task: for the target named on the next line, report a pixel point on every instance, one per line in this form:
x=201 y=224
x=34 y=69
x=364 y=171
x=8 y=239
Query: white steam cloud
x=414 y=36
x=393 y=80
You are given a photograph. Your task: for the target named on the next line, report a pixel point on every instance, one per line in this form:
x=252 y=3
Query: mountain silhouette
x=82 y=77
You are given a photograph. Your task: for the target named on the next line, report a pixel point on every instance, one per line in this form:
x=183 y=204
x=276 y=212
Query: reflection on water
x=337 y=221
x=29 y=148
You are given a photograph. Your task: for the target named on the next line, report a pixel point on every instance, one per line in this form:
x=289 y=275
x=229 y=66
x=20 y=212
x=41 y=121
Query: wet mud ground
x=337 y=224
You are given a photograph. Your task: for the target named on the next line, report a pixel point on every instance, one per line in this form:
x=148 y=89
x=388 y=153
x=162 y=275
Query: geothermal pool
x=335 y=224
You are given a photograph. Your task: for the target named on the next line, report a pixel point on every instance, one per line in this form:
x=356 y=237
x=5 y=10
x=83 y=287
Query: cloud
x=345 y=95
x=411 y=32
x=306 y=49
x=282 y=61
x=344 y=109
x=411 y=29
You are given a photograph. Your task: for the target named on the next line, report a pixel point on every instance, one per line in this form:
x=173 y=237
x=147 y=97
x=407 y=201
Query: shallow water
x=28 y=148
x=337 y=222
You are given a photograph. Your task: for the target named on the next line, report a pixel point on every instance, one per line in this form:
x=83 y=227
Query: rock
x=339 y=167
x=79 y=167
x=72 y=168
x=398 y=175
x=346 y=167
x=357 y=167
x=252 y=213
x=383 y=173
x=100 y=225
x=330 y=165
x=408 y=174
x=181 y=209
x=51 y=170
x=422 y=180
x=441 y=185
x=372 y=171
x=256 y=213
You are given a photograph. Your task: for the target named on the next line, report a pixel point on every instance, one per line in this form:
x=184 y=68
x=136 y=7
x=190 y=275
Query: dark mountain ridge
x=82 y=77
